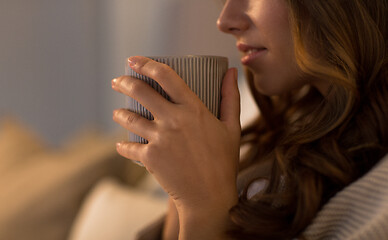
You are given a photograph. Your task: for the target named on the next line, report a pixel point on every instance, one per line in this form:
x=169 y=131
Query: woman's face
x=263 y=35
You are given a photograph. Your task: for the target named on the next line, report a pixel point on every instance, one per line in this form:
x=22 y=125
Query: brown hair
x=319 y=144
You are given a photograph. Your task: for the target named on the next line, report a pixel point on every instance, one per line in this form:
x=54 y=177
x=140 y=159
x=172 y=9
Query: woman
x=318 y=72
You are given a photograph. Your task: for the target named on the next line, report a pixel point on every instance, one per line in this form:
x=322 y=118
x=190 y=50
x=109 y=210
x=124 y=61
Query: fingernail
x=118 y=145
x=114 y=82
x=131 y=61
x=115 y=113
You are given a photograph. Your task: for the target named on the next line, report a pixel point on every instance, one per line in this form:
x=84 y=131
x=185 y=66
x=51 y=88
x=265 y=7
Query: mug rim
x=154 y=57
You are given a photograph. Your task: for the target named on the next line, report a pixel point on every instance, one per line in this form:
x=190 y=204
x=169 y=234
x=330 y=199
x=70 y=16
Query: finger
x=131 y=150
x=143 y=93
x=168 y=79
x=134 y=123
x=230 y=101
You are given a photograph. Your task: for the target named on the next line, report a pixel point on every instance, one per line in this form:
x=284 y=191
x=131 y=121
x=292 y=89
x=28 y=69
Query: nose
x=232 y=19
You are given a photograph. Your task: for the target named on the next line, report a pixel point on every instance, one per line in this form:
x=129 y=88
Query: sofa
x=58 y=193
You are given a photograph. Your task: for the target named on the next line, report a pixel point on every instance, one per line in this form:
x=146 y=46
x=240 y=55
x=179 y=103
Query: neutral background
x=57 y=57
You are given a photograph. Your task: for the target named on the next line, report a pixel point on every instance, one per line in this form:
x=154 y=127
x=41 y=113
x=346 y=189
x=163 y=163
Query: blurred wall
x=57 y=57
x=48 y=64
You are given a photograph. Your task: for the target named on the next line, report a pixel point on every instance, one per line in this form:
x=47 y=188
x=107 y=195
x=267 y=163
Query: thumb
x=230 y=100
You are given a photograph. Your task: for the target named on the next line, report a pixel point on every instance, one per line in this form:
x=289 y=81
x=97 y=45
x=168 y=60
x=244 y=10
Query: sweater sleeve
x=360 y=211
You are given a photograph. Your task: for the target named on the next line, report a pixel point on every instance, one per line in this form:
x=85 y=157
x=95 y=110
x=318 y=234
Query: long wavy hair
x=318 y=144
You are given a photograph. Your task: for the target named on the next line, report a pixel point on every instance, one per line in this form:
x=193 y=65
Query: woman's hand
x=192 y=154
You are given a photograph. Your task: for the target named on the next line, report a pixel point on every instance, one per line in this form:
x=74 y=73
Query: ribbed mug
x=203 y=74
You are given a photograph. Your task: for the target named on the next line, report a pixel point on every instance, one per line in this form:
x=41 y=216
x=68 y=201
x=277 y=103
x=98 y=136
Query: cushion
x=116 y=211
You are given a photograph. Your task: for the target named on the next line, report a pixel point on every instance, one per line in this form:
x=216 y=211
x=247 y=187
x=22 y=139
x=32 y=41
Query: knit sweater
x=360 y=211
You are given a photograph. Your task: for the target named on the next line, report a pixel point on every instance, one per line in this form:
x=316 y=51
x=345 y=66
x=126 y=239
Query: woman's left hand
x=192 y=154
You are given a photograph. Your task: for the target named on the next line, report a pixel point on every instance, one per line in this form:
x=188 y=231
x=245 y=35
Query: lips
x=250 y=53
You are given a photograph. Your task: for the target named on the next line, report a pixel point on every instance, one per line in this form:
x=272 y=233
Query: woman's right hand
x=191 y=153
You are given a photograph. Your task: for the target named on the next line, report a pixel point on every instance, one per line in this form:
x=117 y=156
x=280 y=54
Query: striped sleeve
x=360 y=211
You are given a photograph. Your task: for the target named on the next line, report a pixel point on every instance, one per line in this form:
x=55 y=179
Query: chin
x=266 y=92
x=279 y=85
x=265 y=88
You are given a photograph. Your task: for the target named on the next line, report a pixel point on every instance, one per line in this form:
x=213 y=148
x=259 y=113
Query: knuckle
x=126 y=150
x=176 y=122
x=161 y=70
x=134 y=87
x=191 y=113
x=121 y=78
x=157 y=137
x=131 y=118
x=150 y=154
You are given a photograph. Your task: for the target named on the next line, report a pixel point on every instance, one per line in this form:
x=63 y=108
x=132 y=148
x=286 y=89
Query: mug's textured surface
x=203 y=74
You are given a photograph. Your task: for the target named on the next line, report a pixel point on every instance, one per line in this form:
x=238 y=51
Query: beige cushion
x=118 y=212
